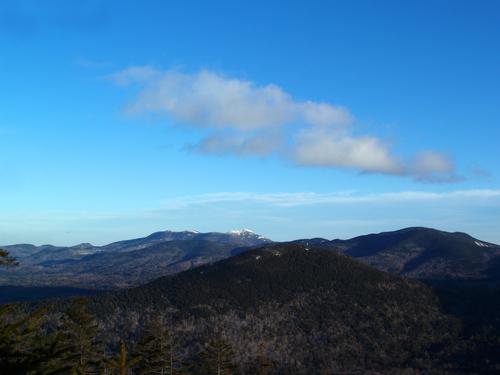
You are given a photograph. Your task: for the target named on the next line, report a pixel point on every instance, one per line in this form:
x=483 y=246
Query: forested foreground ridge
x=280 y=309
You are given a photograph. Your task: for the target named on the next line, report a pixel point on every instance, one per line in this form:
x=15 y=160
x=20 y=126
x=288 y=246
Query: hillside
x=312 y=310
x=422 y=253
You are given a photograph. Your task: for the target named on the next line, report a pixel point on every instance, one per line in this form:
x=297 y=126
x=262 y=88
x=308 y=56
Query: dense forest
x=280 y=309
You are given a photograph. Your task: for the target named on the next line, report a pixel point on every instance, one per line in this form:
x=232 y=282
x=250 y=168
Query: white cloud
x=324 y=114
x=207 y=99
x=243 y=118
x=332 y=149
x=224 y=144
x=431 y=166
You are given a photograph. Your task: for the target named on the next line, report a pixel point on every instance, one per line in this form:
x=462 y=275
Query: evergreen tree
x=122 y=364
x=157 y=350
x=51 y=352
x=80 y=331
x=24 y=347
x=216 y=358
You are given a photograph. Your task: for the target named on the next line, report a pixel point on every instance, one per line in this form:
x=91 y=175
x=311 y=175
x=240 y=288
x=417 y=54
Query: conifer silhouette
x=217 y=357
x=157 y=350
x=79 y=332
x=122 y=364
x=24 y=347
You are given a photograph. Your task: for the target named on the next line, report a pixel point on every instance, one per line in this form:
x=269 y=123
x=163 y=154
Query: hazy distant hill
x=123 y=263
x=312 y=311
x=422 y=253
x=30 y=254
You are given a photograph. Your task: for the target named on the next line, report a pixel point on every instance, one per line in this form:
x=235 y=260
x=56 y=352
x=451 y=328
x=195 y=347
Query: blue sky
x=295 y=119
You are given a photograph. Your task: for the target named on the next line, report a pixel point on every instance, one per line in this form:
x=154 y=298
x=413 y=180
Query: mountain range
x=123 y=263
x=419 y=253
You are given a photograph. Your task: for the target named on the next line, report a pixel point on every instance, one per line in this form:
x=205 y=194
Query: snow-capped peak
x=240 y=232
x=248 y=233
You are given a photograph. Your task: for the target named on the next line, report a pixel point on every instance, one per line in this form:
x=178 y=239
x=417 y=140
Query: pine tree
x=157 y=350
x=80 y=331
x=121 y=364
x=216 y=358
x=24 y=346
x=51 y=352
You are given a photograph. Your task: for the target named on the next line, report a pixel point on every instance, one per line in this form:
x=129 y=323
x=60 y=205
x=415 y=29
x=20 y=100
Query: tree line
x=36 y=343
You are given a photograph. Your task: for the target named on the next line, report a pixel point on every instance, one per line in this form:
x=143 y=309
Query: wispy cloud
x=312 y=198
x=238 y=144
x=434 y=167
x=279 y=200
x=249 y=119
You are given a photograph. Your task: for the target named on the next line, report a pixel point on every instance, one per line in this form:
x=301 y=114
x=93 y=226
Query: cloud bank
x=247 y=119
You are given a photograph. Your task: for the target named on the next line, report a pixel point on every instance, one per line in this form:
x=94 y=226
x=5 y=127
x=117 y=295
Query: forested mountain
x=422 y=253
x=312 y=311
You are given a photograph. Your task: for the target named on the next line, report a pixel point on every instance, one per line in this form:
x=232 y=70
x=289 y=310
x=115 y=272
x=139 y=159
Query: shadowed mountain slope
x=422 y=253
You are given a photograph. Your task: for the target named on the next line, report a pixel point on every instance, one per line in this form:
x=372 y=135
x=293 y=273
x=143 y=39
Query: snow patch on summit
x=247 y=233
x=240 y=232
x=481 y=244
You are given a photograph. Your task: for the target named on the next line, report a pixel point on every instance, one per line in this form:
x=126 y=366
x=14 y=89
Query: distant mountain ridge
x=123 y=263
x=422 y=253
x=34 y=254
x=416 y=252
